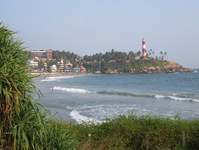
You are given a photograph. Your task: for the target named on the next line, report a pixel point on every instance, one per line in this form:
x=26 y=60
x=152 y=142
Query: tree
x=40 y=64
x=138 y=53
x=161 y=55
x=165 y=54
x=131 y=55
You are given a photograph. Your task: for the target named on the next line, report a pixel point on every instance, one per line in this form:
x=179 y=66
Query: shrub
x=23 y=123
x=139 y=132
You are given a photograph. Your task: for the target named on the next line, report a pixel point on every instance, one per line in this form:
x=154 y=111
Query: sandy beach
x=55 y=74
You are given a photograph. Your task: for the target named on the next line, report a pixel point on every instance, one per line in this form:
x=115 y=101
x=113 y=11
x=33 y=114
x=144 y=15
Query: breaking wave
x=177 y=98
x=156 y=96
x=70 y=90
x=75 y=115
x=57 y=78
x=120 y=93
x=100 y=113
x=159 y=97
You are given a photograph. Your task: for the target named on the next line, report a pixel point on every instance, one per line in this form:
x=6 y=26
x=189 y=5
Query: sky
x=87 y=27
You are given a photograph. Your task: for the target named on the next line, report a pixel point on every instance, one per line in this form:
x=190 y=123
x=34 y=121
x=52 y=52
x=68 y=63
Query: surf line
x=54 y=88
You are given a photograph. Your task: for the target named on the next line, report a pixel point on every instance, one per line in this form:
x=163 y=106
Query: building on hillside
x=33 y=64
x=64 y=66
x=42 y=54
x=61 y=65
x=68 y=66
x=49 y=54
x=76 y=70
x=79 y=70
x=82 y=69
x=53 y=68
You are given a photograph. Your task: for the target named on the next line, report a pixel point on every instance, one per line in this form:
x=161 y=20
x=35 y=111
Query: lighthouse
x=143 y=49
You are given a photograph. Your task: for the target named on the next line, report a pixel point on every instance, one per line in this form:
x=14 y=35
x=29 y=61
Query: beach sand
x=55 y=74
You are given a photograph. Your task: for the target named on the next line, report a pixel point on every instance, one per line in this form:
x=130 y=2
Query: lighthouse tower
x=143 y=49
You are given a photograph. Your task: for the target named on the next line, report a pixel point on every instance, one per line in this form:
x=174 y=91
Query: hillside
x=152 y=66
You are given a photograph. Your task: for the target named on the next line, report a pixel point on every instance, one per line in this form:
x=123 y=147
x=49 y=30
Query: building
x=53 y=68
x=33 y=63
x=68 y=66
x=49 y=54
x=42 y=54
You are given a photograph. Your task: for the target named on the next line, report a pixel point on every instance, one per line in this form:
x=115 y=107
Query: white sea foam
x=159 y=96
x=183 y=99
x=100 y=113
x=49 y=79
x=70 y=90
x=174 y=97
x=69 y=107
x=82 y=119
x=179 y=98
x=195 y=100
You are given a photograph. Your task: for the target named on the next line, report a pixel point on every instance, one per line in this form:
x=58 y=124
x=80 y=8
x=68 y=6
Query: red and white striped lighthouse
x=143 y=49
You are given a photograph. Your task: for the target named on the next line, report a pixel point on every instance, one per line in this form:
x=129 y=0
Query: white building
x=53 y=68
x=33 y=64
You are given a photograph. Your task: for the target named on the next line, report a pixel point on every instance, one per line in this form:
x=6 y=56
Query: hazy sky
x=94 y=26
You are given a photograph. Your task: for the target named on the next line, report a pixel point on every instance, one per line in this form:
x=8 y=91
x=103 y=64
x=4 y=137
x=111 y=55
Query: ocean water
x=94 y=98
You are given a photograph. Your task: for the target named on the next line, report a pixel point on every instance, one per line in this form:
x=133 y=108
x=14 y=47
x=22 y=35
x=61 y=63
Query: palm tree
x=161 y=55
x=153 y=53
x=138 y=54
x=165 y=54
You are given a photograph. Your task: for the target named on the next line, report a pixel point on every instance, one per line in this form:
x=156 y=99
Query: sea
x=86 y=98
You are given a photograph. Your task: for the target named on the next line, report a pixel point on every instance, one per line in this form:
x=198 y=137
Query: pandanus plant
x=21 y=120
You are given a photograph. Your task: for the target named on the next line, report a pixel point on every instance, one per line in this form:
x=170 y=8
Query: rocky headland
x=167 y=67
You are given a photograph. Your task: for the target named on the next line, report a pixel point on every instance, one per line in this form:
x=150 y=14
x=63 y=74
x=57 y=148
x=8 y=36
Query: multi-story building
x=49 y=54
x=42 y=54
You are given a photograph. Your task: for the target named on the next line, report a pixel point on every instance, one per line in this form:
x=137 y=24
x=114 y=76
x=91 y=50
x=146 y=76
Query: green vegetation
x=120 y=61
x=23 y=123
x=57 y=55
x=140 y=133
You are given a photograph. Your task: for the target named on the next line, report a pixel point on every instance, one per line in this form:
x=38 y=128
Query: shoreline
x=56 y=74
x=107 y=73
x=149 y=70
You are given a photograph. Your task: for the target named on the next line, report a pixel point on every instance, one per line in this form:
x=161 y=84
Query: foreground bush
x=59 y=136
x=23 y=124
x=139 y=133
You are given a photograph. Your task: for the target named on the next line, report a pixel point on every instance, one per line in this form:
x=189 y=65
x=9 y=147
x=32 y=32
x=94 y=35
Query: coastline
x=150 y=70
x=166 y=67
